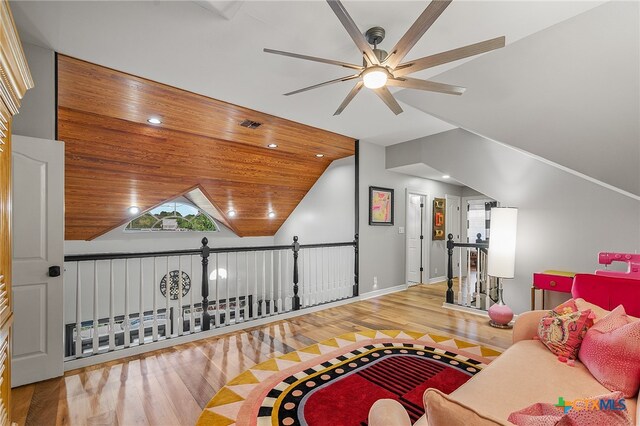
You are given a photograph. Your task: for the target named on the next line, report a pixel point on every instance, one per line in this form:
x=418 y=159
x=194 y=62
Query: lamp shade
x=502 y=242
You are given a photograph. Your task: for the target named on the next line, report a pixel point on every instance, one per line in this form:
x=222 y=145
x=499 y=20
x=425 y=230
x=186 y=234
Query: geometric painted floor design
x=259 y=395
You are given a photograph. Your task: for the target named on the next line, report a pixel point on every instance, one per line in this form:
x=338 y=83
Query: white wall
x=570 y=94
x=37 y=112
x=564 y=220
x=382 y=248
x=326 y=213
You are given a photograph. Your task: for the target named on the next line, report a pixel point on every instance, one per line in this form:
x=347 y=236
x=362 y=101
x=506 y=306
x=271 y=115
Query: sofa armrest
x=526 y=325
x=385 y=412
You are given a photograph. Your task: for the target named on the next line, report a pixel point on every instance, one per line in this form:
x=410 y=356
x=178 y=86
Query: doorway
x=417 y=250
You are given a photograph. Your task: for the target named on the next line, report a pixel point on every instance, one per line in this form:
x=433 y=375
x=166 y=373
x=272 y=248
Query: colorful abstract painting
x=380 y=206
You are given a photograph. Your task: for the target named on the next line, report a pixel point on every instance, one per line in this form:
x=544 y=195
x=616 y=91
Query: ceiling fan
x=381 y=69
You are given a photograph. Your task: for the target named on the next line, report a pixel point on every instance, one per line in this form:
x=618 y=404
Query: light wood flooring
x=171 y=386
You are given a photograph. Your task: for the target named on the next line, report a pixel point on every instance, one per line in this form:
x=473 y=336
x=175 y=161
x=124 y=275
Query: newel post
x=206 y=319
x=296 y=298
x=450 y=269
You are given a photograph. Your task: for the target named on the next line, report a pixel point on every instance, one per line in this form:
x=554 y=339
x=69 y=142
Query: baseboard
x=382 y=292
x=435 y=280
x=470 y=310
x=466 y=309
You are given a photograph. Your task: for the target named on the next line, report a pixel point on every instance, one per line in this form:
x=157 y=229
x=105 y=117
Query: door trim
x=426 y=242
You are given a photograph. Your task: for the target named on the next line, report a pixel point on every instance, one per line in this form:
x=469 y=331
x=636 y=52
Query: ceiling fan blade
x=352 y=94
x=417 y=30
x=354 y=32
x=449 y=56
x=431 y=86
x=315 y=59
x=326 y=83
x=388 y=99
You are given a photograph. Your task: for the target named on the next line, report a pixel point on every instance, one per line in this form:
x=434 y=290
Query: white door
x=414 y=238
x=452 y=218
x=38 y=239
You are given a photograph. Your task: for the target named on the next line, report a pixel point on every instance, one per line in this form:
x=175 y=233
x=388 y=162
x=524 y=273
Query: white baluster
x=237 y=292
x=279 y=304
x=154 y=327
x=193 y=285
x=96 y=333
x=112 y=296
x=168 y=322
x=127 y=335
x=255 y=293
x=226 y=284
x=288 y=282
x=78 y=311
x=460 y=292
x=245 y=311
x=215 y=282
x=179 y=313
x=271 y=301
x=263 y=303
x=141 y=314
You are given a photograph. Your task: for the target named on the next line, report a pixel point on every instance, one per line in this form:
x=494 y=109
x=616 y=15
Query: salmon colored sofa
x=524 y=374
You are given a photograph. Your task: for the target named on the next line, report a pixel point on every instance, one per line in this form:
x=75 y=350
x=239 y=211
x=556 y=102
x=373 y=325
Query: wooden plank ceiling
x=115 y=159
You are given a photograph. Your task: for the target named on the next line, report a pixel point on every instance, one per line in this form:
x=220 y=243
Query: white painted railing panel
x=118 y=303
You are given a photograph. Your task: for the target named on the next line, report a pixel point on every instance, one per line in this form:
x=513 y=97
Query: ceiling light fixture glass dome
x=375 y=77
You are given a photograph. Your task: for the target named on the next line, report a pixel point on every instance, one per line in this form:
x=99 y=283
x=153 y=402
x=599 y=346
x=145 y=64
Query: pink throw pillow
x=542 y=414
x=611 y=352
x=563 y=329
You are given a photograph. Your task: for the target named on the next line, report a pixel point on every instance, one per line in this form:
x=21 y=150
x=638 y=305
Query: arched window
x=174 y=216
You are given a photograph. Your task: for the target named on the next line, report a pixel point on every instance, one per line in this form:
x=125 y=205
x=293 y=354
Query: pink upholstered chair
x=608 y=292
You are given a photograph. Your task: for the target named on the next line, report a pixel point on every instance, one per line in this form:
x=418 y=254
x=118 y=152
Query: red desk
x=560 y=281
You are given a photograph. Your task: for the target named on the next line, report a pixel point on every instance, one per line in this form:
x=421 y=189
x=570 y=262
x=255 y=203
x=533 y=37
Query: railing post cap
x=205 y=241
x=295 y=238
x=450 y=236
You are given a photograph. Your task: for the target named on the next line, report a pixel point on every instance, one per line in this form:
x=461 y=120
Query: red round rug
x=335 y=382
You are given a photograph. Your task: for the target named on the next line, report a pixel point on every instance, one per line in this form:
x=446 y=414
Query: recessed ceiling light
x=272 y=145
x=231 y=213
x=272 y=215
x=445 y=176
x=133 y=210
x=154 y=120
x=319 y=155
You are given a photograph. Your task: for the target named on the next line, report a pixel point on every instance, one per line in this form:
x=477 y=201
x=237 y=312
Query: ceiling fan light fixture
x=375 y=77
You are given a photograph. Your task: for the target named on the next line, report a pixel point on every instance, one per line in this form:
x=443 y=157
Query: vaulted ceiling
x=116 y=159
x=217 y=51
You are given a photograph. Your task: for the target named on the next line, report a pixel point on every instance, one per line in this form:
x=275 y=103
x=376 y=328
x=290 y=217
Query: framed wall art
x=380 y=206
x=439 y=208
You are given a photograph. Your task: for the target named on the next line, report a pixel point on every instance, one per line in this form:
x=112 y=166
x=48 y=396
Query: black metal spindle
x=296 y=298
x=450 y=268
x=206 y=319
x=356 y=288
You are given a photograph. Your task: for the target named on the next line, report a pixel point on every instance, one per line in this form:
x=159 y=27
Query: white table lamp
x=502 y=258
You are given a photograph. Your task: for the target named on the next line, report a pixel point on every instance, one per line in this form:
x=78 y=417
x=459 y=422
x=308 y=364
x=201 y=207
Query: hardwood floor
x=171 y=386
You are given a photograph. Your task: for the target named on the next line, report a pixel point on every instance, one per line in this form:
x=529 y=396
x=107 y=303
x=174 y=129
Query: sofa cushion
x=611 y=352
x=527 y=373
x=443 y=411
x=563 y=329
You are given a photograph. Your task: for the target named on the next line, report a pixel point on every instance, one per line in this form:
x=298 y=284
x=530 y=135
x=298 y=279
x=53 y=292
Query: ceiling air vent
x=250 y=124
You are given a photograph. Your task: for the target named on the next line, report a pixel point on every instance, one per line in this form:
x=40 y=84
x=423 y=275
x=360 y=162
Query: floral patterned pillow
x=563 y=329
